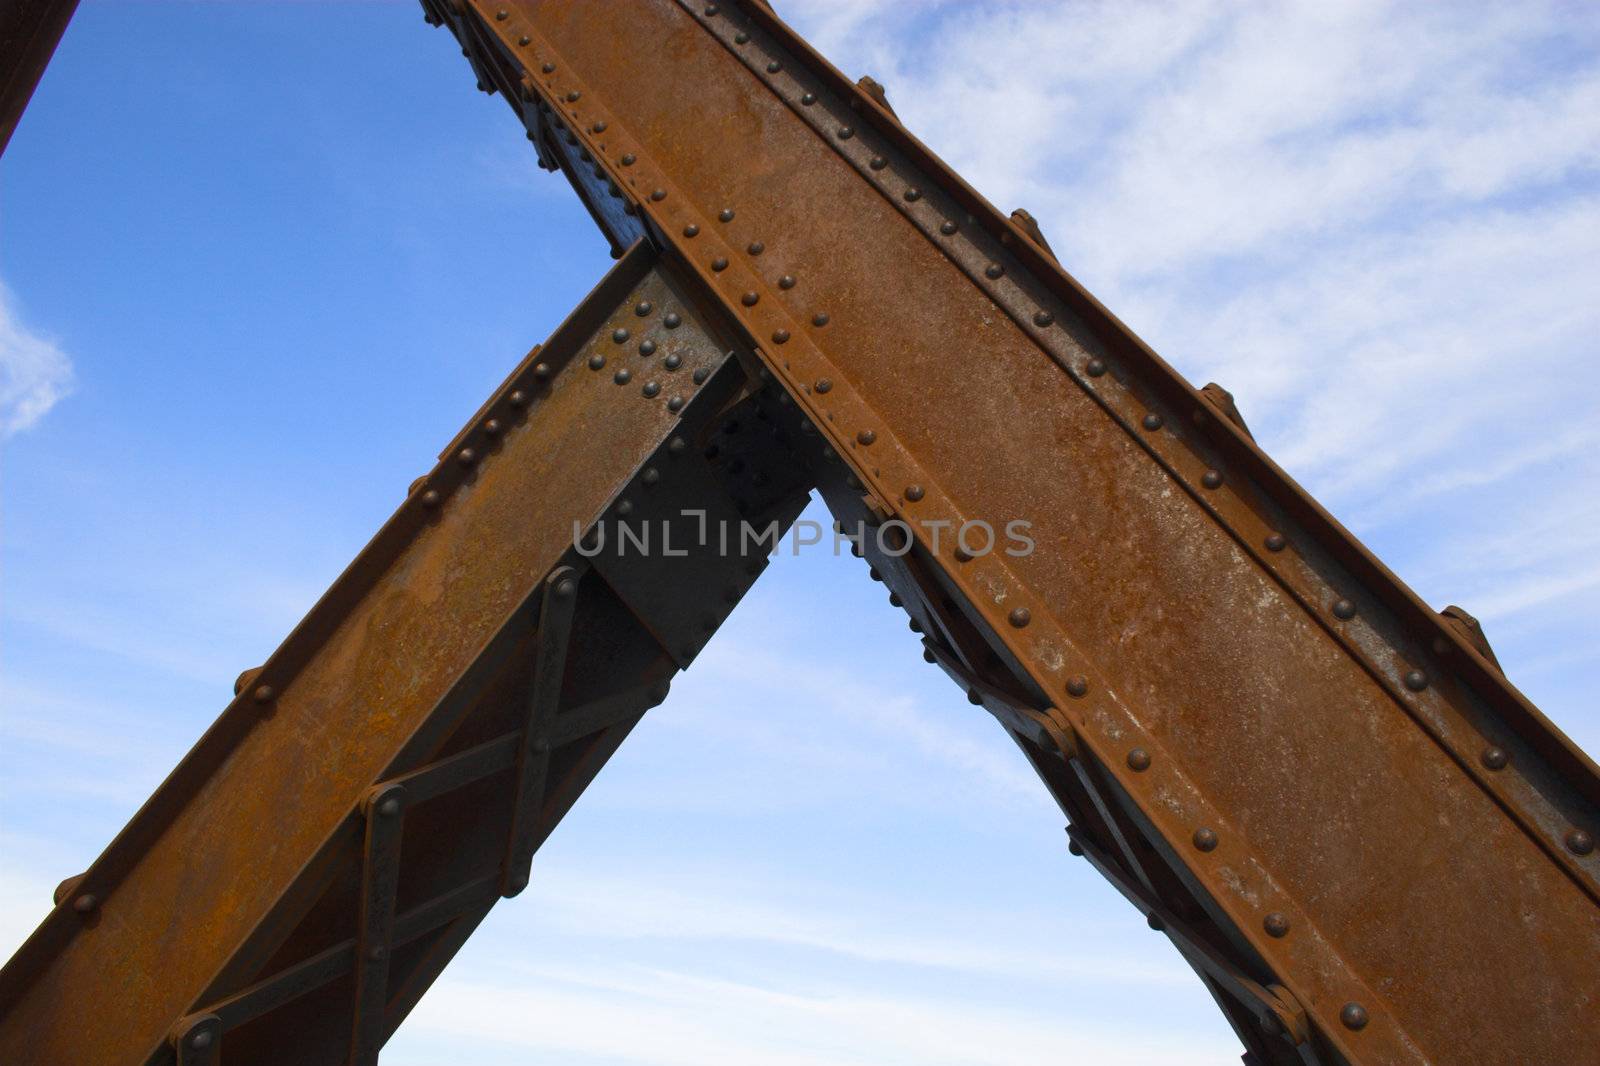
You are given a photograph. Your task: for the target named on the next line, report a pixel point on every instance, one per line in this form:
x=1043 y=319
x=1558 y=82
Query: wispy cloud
x=35 y=374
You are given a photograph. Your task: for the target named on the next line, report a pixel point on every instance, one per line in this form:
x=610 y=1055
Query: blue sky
x=260 y=261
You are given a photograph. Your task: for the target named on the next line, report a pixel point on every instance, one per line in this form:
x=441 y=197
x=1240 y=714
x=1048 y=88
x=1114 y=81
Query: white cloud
x=35 y=374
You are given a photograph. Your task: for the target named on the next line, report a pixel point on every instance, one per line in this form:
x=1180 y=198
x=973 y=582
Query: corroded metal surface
x=1281 y=724
x=1366 y=842
x=428 y=689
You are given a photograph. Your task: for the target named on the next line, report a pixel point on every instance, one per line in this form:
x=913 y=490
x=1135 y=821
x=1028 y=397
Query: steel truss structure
x=1367 y=843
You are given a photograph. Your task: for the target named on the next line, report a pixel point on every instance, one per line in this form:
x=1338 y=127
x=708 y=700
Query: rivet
x=823 y=385
x=671 y=320
x=658 y=194
x=846 y=132
x=1211 y=479
x=492 y=427
x=201 y=1040
x=993 y=271
x=1078 y=687
x=1152 y=421
x=750 y=299
x=1075 y=848
x=502 y=15
x=389 y=807
x=913 y=493
x=973 y=697
x=756 y=248
x=265 y=693
x=1153 y=920
x=647 y=348
x=895 y=600
x=947 y=227
x=466 y=457
x=1138 y=760
x=651 y=475
x=726 y=214
x=780 y=336
x=628 y=159
x=719 y=264
x=624 y=508
x=711 y=10
x=620 y=336
x=673 y=361
x=1205 y=839
x=819 y=319
x=430 y=498
x=596 y=362
x=541 y=372
x=1043 y=318
x=912 y=194
x=651 y=390
x=599 y=127
x=1495 y=758
x=914 y=625
x=866 y=437
x=1276 y=925
x=1354 y=1016
x=643 y=308
x=85 y=903
x=1019 y=617
x=573 y=96
x=741 y=38
x=623 y=376
x=691 y=230
x=1344 y=610
x=675 y=404
x=808 y=99
x=1579 y=842
x=524 y=40
x=929 y=657
x=1416 y=680
x=877 y=162
x=1096 y=367
x=1276 y=542
x=774 y=66
x=678 y=446
x=786 y=282
x=700 y=374
x=549 y=68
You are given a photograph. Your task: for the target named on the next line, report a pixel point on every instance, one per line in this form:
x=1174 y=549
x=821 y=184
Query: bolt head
x=750 y=299
x=912 y=194
x=597 y=362
x=808 y=99
x=389 y=807
x=1495 y=758
x=1096 y=367
x=725 y=215
x=1075 y=848
x=719 y=264
x=1344 y=610
x=1276 y=925
x=1043 y=318
x=866 y=436
x=1138 y=760
x=1416 y=680
x=430 y=498
x=1152 y=421
x=993 y=271
x=264 y=694
x=914 y=493
x=819 y=319
x=201 y=1040
x=1211 y=479
x=651 y=390
x=947 y=228
x=1205 y=839
x=1276 y=542
x=1580 y=842
x=1019 y=617
x=86 y=903
x=1353 y=1016
x=1078 y=687
x=466 y=457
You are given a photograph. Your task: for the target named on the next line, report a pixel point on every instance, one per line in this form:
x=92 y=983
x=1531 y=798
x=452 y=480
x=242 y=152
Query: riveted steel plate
x=1334 y=753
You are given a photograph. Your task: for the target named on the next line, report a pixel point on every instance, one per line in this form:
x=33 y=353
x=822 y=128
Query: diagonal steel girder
x=1326 y=794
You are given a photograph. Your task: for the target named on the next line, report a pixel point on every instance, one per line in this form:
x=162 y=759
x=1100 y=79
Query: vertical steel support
x=380 y=878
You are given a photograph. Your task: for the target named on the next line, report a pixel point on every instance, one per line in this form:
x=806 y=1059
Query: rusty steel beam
x=1333 y=787
x=1369 y=846
x=418 y=736
x=29 y=33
